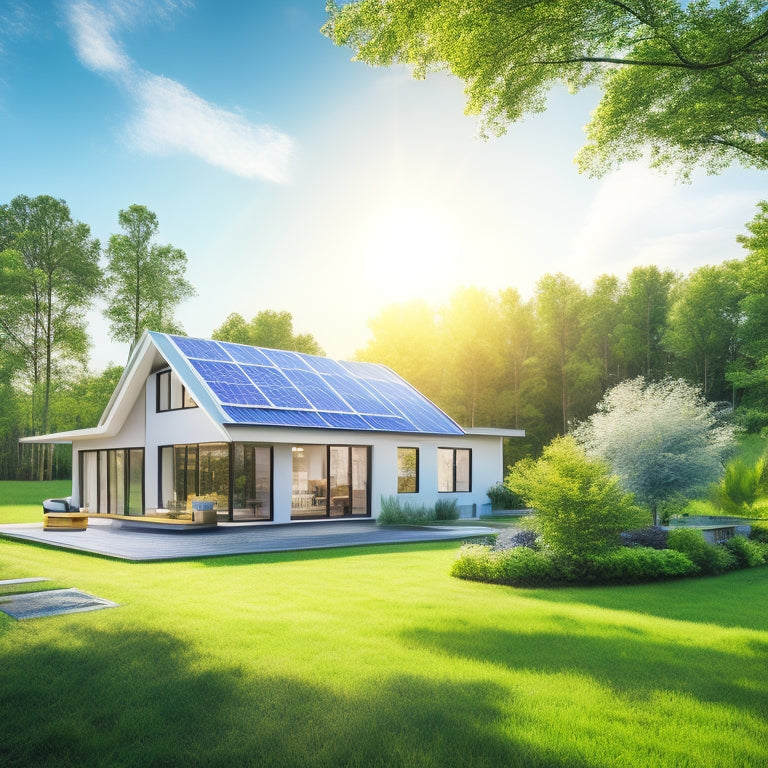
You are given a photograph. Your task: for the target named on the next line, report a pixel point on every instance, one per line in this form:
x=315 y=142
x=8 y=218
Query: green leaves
x=684 y=83
x=145 y=281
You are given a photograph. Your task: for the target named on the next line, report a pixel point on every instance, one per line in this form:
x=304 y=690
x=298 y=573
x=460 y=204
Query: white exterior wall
x=132 y=435
x=487 y=463
x=146 y=428
x=188 y=425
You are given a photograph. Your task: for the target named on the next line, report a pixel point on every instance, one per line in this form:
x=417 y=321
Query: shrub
x=759 y=532
x=741 y=486
x=654 y=536
x=475 y=562
x=503 y=497
x=512 y=539
x=748 y=553
x=707 y=558
x=580 y=509
x=637 y=564
x=524 y=567
x=445 y=509
x=395 y=513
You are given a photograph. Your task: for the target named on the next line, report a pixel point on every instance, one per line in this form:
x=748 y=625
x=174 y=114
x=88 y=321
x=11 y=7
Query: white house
x=269 y=435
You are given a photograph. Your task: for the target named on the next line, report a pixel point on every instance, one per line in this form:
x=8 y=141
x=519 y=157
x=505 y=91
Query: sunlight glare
x=411 y=254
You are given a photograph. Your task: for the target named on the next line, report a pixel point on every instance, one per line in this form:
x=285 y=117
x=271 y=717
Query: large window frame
x=170 y=393
x=331 y=481
x=457 y=460
x=118 y=482
x=407 y=469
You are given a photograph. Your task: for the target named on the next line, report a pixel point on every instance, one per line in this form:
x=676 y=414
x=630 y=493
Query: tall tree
x=703 y=326
x=268 y=328
x=643 y=308
x=49 y=273
x=685 y=80
x=559 y=306
x=600 y=318
x=749 y=373
x=145 y=281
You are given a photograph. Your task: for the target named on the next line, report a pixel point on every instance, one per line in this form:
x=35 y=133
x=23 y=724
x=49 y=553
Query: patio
x=115 y=539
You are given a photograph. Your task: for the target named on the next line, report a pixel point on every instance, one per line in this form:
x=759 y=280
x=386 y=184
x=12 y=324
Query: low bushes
x=759 y=532
x=446 y=509
x=520 y=561
x=396 y=512
x=503 y=497
x=524 y=567
x=707 y=558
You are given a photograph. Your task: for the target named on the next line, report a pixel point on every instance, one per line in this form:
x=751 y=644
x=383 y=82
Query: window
x=454 y=470
x=407 y=470
x=112 y=481
x=330 y=481
x=194 y=470
x=172 y=395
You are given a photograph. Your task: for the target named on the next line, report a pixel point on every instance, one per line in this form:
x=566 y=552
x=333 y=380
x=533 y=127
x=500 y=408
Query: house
x=269 y=435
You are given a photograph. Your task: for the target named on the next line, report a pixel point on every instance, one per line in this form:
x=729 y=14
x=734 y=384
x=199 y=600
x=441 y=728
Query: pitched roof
x=244 y=385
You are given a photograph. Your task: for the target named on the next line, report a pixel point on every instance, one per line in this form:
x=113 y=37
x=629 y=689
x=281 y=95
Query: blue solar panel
x=202 y=348
x=322 y=397
x=277 y=387
x=275 y=417
x=324 y=365
x=345 y=420
x=361 y=400
x=243 y=354
x=227 y=372
x=284 y=359
x=237 y=394
x=390 y=423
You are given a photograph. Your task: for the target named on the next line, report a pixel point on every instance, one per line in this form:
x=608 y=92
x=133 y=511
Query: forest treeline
x=494 y=359
x=487 y=359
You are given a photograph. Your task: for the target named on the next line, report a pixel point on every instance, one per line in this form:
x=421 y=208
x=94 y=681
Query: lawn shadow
x=626 y=660
x=736 y=599
x=139 y=698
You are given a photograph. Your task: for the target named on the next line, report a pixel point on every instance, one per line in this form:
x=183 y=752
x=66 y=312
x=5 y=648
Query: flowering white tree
x=661 y=438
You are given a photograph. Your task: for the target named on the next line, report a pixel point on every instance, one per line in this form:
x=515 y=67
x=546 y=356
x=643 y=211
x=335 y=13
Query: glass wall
x=112 y=481
x=194 y=470
x=252 y=477
x=330 y=481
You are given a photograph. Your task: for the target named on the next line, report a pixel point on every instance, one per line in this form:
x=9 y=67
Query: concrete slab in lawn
x=51 y=602
x=30 y=580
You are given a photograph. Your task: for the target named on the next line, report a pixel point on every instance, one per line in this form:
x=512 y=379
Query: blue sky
x=295 y=179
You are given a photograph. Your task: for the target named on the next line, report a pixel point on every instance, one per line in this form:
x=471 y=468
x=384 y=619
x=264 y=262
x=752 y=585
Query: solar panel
x=252 y=385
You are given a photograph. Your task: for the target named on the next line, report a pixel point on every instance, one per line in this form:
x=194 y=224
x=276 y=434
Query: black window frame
x=126 y=480
x=185 y=395
x=453 y=474
x=416 y=475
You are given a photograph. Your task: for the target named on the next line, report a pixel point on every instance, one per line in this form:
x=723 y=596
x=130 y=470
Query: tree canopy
x=267 y=328
x=49 y=273
x=684 y=81
x=661 y=438
x=145 y=281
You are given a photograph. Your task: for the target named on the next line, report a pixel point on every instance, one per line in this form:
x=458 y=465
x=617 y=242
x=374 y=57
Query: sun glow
x=411 y=254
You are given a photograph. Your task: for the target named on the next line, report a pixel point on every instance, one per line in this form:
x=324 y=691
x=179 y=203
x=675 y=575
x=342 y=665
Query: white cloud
x=173 y=119
x=95 y=46
x=170 y=117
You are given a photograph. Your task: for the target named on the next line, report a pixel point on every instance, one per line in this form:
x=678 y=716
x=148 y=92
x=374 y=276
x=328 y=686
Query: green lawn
x=22 y=501
x=376 y=657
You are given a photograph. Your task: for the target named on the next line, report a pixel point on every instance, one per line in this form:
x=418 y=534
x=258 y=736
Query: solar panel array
x=280 y=388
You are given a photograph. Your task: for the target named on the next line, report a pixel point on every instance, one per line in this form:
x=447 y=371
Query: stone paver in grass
x=29 y=580
x=52 y=602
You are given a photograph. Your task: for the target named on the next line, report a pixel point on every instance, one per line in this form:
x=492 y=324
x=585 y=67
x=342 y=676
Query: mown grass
x=377 y=657
x=21 y=501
